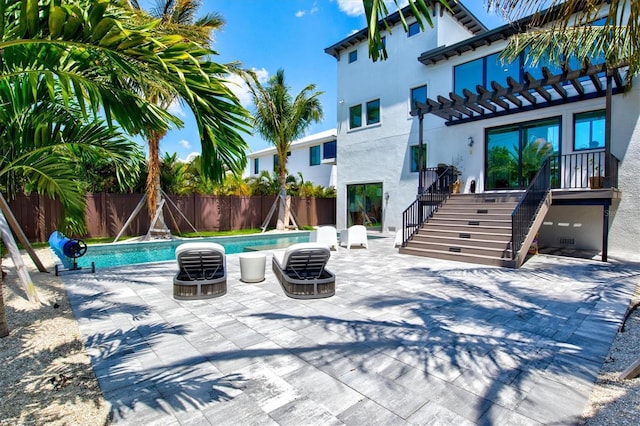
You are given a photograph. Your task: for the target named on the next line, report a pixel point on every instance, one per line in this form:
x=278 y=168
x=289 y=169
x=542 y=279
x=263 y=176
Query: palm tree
x=96 y=56
x=178 y=17
x=281 y=119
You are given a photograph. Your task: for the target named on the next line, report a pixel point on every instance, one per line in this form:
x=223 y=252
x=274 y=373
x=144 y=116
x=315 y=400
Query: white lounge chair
x=353 y=236
x=203 y=271
x=302 y=272
x=325 y=235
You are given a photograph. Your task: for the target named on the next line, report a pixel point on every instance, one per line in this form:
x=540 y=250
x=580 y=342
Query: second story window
x=276 y=162
x=418 y=94
x=353 y=56
x=355 y=116
x=329 y=150
x=314 y=155
x=588 y=130
x=413 y=29
x=415 y=157
x=373 y=112
x=256 y=166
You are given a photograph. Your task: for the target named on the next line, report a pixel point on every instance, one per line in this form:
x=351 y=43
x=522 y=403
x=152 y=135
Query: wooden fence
x=106 y=213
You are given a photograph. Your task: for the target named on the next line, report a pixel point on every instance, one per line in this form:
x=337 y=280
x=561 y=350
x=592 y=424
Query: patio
x=405 y=340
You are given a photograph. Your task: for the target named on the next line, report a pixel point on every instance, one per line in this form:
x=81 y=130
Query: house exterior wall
x=323 y=174
x=381 y=153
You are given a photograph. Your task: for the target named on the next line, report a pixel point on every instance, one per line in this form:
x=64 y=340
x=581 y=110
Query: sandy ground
x=46 y=375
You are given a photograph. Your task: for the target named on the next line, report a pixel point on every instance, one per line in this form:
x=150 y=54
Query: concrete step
x=460 y=257
x=474 y=221
x=455 y=240
x=475 y=209
x=466 y=247
x=484 y=199
x=442 y=214
x=466 y=228
x=473 y=234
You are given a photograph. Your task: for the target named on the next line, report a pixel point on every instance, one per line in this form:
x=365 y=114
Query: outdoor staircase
x=474 y=228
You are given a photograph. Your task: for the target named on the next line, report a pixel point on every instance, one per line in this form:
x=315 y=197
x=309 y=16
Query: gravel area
x=46 y=375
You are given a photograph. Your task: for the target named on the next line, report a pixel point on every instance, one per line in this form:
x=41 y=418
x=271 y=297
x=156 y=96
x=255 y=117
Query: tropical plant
x=264 y=184
x=175 y=17
x=280 y=119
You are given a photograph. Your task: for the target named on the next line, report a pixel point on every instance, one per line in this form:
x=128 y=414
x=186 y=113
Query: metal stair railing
x=427 y=203
x=525 y=212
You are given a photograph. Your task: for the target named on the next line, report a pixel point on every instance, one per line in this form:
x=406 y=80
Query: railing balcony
x=582 y=170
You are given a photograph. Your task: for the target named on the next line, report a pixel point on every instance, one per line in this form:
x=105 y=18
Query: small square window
x=353 y=56
x=588 y=130
x=414 y=28
x=314 y=155
x=355 y=116
x=256 y=166
x=415 y=161
x=329 y=150
x=373 y=112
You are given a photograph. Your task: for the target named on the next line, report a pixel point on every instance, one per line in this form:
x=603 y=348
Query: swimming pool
x=110 y=255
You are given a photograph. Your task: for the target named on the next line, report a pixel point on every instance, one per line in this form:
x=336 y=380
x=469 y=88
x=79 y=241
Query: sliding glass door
x=364 y=205
x=514 y=153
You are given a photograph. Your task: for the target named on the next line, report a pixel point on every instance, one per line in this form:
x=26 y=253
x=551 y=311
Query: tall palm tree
x=96 y=56
x=177 y=17
x=281 y=119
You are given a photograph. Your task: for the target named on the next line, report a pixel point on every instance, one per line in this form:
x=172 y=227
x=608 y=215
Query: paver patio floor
x=405 y=340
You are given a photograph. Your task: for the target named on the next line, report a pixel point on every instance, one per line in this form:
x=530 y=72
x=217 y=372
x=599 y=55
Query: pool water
x=110 y=255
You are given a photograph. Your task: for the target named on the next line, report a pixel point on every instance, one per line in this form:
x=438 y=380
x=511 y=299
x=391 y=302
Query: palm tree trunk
x=283 y=212
x=153 y=176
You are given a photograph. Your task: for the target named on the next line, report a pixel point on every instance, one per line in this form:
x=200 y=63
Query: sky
x=266 y=35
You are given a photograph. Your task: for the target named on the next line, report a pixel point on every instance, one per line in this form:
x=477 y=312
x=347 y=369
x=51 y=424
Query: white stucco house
x=313 y=156
x=445 y=90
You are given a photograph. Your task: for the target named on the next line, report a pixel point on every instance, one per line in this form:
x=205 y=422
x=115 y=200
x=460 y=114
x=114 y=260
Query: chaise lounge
x=203 y=272
x=355 y=235
x=302 y=272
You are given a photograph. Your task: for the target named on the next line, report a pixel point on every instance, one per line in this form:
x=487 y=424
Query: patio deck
x=405 y=340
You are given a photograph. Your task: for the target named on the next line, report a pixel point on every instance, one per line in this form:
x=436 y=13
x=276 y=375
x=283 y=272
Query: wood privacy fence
x=106 y=213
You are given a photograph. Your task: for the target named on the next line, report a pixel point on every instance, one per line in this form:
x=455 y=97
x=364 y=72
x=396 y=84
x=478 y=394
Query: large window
x=355 y=116
x=373 y=112
x=418 y=94
x=588 y=130
x=314 y=155
x=515 y=153
x=256 y=166
x=329 y=150
x=415 y=157
x=364 y=205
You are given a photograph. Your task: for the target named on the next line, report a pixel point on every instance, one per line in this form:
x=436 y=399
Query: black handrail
x=581 y=170
x=428 y=202
x=525 y=212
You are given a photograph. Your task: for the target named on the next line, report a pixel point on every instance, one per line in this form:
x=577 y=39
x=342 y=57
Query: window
x=276 y=160
x=415 y=157
x=373 y=112
x=414 y=29
x=256 y=166
x=353 y=56
x=418 y=94
x=588 y=130
x=355 y=116
x=329 y=150
x=314 y=155
x=515 y=152
x=468 y=75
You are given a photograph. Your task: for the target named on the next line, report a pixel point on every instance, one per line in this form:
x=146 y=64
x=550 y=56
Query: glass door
x=515 y=153
x=364 y=205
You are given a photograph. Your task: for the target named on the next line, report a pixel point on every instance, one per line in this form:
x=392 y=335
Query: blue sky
x=266 y=35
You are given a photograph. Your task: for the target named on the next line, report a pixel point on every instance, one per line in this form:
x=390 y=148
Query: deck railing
x=438 y=182
x=581 y=170
x=525 y=212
